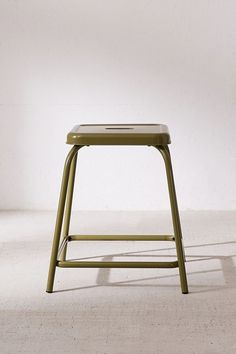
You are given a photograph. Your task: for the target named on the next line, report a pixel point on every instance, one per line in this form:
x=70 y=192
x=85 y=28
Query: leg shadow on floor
x=227 y=268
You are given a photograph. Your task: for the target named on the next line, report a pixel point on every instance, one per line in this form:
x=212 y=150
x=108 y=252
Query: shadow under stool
x=156 y=135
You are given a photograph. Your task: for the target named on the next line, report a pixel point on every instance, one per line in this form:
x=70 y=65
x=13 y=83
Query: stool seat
x=119 y=134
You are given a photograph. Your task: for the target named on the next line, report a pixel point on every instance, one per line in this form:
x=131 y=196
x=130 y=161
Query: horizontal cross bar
x=95 y=264
x=121 y=238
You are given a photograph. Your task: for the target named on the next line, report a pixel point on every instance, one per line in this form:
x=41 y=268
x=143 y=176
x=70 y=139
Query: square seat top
x=119 y=134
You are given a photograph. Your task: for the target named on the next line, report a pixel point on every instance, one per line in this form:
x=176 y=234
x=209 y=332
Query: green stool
x=156 y=135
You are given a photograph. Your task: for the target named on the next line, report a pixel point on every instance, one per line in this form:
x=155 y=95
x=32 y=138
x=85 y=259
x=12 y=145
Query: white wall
x=68 y=62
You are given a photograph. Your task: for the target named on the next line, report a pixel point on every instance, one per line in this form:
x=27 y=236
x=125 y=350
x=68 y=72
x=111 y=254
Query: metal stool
x=156 y=135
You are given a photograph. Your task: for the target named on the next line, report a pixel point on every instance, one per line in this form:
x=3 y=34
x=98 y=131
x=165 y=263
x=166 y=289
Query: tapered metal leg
x=69 y=199
x=164 y=150
x=59 y=219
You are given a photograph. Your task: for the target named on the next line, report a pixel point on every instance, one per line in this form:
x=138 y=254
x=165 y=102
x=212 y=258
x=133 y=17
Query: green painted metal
x=69 y=200
x=119 y=134
x=61 y=248
x=164 y=150
x=59 y=220
x=121 y=238
x=113 y=264
x=126 y=134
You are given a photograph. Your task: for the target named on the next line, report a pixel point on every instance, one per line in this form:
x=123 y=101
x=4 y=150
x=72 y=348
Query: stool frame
x=58 y=253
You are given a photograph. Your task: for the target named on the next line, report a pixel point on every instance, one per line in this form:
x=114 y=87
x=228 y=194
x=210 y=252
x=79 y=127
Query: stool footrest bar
x=96 y=264
x=121 y=237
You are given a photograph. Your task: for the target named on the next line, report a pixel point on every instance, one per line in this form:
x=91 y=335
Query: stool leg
x=164 y=150
x=59 y=219
x=69 y=200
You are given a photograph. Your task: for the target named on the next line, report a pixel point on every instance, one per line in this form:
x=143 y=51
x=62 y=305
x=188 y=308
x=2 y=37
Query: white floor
x=116 y=311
